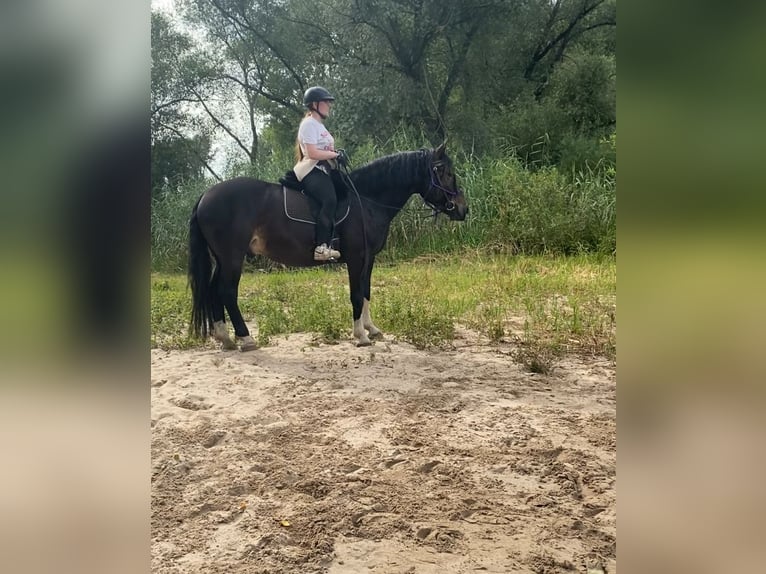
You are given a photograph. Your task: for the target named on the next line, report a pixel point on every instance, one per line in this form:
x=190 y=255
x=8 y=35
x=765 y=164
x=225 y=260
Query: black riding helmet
x=315 y=95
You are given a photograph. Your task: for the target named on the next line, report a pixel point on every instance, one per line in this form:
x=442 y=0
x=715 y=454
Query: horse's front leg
x=355 y=280
x=362 y=340
x=367 y=323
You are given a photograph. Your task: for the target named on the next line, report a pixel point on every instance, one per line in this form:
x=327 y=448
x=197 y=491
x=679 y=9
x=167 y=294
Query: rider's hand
x=342 y=157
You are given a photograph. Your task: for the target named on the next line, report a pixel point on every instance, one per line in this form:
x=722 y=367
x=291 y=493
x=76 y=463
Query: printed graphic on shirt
x=313 y=132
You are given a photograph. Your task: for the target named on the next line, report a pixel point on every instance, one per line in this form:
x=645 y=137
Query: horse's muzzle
x=459 y=211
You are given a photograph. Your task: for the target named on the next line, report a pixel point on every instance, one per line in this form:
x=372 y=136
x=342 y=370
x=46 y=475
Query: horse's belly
x=292 y=249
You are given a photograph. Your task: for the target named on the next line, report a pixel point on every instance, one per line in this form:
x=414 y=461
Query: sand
x=307 y=458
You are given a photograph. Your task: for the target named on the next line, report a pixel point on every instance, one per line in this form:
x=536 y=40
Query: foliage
x=462 y=69
x=568 y=123
x=544 y=212
x=171 y=209
x=181 y=144
x=178 y=160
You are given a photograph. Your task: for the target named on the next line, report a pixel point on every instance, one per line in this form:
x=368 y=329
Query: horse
x=246 y=215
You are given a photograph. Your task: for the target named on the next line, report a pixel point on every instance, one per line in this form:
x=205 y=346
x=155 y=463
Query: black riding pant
x=319 y=186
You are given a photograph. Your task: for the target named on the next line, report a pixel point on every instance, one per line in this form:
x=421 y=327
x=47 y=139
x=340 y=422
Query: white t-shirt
x=312 y=131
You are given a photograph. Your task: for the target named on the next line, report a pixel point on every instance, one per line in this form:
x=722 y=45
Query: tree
x=180 y=144
x=404 y=59
x=265 y=61
x=562 y=22
x=472 y=70
x=177 y=160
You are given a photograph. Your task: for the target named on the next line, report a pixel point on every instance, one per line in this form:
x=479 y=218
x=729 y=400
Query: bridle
x=435 y=183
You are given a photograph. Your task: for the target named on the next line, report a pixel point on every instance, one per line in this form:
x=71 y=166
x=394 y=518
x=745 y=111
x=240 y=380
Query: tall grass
x=170 y=226
x=544 y=211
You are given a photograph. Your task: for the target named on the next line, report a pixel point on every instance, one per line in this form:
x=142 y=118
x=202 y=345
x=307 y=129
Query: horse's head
x=443 y=194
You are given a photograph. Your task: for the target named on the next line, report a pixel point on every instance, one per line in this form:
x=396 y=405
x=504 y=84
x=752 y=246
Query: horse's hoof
x=227 y=344
x=363 y=343
x=221 y=334
x=247 y=344
x=377 y=336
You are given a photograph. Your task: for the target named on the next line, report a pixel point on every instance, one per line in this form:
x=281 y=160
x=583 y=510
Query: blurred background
x=74 y=254
x=691 y=238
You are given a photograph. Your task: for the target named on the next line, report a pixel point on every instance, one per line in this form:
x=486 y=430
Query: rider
x=315 y=154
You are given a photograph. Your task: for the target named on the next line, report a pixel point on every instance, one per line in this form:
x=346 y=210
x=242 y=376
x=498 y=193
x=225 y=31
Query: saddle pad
x=300 y=207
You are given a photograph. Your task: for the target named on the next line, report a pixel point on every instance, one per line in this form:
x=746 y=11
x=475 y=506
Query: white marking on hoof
x=247 y=344
x=360 y=335
x=221 y=334
x=375 y=333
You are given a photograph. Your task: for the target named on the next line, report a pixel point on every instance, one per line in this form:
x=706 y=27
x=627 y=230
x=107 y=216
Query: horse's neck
x=394 y=194
x=393 y=198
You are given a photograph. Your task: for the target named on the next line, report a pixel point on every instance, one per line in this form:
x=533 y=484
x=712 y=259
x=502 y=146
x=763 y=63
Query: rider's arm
x=319 y=154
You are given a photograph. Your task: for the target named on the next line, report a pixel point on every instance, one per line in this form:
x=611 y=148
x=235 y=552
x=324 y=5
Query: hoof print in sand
x=191 y=403
x=429 y=466
x=213 y=439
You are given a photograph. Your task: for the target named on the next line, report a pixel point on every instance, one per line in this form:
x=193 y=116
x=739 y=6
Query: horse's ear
x=439 y=151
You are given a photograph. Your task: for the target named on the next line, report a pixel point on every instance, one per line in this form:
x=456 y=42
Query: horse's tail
x=199 y=272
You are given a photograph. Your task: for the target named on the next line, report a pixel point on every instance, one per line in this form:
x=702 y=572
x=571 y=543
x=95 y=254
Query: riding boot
x=324 y=253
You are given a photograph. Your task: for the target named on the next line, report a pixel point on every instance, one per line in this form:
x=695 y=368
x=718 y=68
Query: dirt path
x=332 y=459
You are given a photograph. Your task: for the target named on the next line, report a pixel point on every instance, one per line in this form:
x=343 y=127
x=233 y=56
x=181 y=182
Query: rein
x=380 y=204
x=366 y=261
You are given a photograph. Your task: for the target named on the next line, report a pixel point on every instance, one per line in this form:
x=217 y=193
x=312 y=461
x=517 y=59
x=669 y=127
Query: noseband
x=449 y=195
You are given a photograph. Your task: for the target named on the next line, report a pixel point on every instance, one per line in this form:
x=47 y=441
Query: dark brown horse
x=246 y=215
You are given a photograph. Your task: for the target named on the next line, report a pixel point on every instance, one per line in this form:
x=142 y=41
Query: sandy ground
x=335 y=459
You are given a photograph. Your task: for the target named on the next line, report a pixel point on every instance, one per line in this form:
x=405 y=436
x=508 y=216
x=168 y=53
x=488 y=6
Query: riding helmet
x=316 y=94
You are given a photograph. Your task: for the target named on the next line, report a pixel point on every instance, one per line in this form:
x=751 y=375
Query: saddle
x=303 y=208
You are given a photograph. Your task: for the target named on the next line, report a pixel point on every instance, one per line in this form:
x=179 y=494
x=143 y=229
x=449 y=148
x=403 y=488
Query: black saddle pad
x=301 y=207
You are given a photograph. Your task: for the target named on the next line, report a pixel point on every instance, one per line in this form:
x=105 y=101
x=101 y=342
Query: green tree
x=403 y=60
x=266 y=58
x=558 y=25
x=178 y=160
x=528 y=76
x=180 y=142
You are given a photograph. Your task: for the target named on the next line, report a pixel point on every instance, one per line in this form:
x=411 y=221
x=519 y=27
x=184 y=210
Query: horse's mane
x=398 y=170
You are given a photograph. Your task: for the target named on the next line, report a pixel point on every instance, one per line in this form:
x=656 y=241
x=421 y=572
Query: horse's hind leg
x=228 y=290
x=220 y=331
x=367 y=323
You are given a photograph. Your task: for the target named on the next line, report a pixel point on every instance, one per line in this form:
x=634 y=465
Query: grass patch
x=546 y=306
